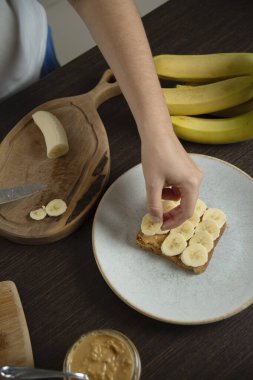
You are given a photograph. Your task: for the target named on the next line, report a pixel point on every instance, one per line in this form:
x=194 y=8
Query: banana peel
x=204 y=68
x=208 y=98
x=214 y=131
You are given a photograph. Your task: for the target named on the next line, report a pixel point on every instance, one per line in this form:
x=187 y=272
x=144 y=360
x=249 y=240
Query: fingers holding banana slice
x=162 y=232
x=169 y=205
x=186 y=229
x=149 y=227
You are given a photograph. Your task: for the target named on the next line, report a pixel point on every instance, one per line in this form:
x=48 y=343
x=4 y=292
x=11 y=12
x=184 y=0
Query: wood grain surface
x=15 y=345
x=77 y=177
x=62 y=291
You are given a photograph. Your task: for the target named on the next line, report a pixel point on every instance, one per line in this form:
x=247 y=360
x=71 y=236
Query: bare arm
x=118 y=31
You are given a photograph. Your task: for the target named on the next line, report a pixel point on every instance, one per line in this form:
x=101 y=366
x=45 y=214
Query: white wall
x=71 y=37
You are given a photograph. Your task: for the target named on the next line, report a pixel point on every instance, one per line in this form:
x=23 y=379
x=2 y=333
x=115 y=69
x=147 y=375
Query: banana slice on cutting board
x=174 y=244
x=54 y=133
x=149 y=227
x=186 y=229
x=39 y=213
x=56 y=207
x=203 y=238
x=210 y=226
x=216 y=215
x=200 y=207
x=195 y=255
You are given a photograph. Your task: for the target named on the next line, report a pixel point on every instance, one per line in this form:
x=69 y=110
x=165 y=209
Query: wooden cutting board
x=15 y=345
x=78 y=177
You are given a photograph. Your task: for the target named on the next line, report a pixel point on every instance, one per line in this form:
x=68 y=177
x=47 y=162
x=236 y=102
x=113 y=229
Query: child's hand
x=166 y=164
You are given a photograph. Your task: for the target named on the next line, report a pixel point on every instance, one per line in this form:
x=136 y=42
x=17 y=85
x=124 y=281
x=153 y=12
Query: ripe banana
x=214 y=131
x=149 y=227
x=194 y=255
x=39 y=213
x=216 y=215
x=54 y=134
x=203 y=67
x=56 y=207
x=203 y=238
x=236 y=110
x=186 y=229
x=210 y=226
x=208 y=98
x=174 y=244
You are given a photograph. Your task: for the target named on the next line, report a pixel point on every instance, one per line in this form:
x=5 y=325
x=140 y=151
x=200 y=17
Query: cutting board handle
x=106 y=88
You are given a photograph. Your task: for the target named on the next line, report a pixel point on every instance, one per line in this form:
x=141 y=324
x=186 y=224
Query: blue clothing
x=23 y=39
x=50 y=61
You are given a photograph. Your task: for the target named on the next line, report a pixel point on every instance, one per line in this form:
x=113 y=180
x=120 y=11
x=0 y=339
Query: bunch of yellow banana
x=218 y=93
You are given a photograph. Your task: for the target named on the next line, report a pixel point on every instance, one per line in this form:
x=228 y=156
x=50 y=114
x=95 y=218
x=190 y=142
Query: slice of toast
x=153 y=244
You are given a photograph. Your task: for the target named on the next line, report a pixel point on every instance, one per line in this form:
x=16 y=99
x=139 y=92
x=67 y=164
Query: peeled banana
x=194 y=255
x=39 y=213
x=204 y=238
x=208 y=98
x=210 y=226
x=149 y=227
x=169 y=205
x=216 y=215
x=186 y=229
x=195 y=219
x=162 y=232
x=54 y=133
x=200 y=207
x=203 y=67
x=193 y=240
x=56 y=207
x=174 y=244
x=214 y=131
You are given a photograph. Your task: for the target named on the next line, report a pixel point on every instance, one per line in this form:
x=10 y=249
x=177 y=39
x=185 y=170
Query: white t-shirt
x=23 y=36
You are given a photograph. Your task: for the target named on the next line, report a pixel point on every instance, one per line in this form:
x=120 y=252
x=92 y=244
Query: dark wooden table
x=61 y=288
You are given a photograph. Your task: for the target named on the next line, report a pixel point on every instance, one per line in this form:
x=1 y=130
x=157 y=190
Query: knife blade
x=19 y=192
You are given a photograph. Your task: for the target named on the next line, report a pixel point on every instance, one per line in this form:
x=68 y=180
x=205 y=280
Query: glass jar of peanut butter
x=104 y=355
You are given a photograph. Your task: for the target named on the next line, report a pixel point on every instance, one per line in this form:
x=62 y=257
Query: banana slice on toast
x=186 y=229
x=174 y=244
x=216 y=215
x=149 y=227
x=194 y=255
x=191 y=245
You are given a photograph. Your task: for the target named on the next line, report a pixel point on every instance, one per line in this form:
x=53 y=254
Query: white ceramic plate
x=154 y=286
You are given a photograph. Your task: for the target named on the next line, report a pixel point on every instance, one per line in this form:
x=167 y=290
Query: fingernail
x=156 y=219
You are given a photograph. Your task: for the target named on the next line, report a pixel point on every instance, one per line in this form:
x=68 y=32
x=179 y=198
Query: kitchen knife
x=15 y=193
